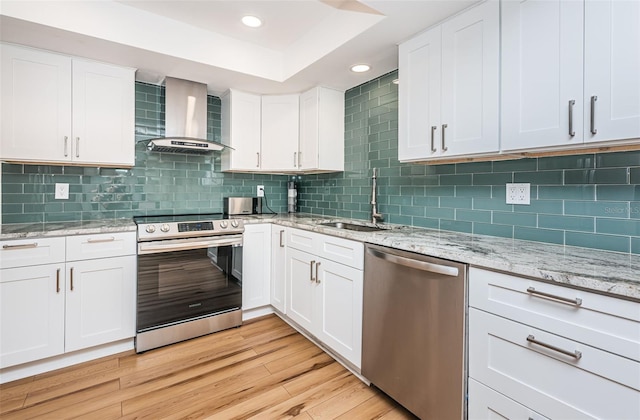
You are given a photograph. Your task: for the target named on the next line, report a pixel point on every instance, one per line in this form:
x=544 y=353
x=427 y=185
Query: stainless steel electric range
x=189 y=277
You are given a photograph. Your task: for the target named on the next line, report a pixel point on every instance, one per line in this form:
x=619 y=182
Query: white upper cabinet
x=449 y=80
x=280 y=132
x=58 y=109
x=321 y=146
x=612 y=70
x=570 y=73
x=241 y=119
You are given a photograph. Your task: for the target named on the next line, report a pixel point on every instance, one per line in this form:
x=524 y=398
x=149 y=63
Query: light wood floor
x=264 y=370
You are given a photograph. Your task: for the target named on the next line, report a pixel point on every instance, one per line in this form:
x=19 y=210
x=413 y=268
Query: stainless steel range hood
x=186 y=119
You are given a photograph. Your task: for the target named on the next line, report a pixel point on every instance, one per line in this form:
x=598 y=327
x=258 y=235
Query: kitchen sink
x=352 y=226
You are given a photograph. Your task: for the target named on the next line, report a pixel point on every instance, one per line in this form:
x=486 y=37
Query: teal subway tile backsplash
x=159 y=183
x=589 y=200
x=575 y=199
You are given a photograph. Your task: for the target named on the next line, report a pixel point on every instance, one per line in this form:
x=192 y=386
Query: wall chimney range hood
x=186 y=119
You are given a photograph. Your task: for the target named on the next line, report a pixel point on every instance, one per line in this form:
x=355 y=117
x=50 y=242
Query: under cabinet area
x=324 y=290
x=67 y=293
x=551 y=349
x=449 y=88
x=65 y=110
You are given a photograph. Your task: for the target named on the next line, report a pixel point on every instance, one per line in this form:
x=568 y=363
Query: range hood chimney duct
x=186 y=119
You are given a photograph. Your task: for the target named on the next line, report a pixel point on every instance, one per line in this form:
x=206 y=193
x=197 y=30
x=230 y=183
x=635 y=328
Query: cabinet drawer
x=340 y=250
x=485 y=403
x=27 y=252
x=600 y=321
x=598 y=384
x=101 y=245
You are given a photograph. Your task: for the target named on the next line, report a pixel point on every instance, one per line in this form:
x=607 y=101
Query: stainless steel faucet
x=375 y=216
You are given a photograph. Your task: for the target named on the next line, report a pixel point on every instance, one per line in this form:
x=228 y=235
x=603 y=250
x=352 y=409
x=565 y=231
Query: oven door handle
x=154 y=248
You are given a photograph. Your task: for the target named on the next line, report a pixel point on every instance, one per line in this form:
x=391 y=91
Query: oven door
x=185 y=279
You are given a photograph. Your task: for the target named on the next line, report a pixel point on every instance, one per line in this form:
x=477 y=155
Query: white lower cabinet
x=31 y=313
x=100 y=301
x=74 y=303
x=324 y=296
x=485 y=403
x=278 y=268
x=256 y=266
x=559 y=352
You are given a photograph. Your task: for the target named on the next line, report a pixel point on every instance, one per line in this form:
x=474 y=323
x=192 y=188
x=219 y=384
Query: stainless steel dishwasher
x=413 y=339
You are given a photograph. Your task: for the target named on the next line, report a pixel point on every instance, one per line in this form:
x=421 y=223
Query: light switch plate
x=519 y=193
x=62 y=191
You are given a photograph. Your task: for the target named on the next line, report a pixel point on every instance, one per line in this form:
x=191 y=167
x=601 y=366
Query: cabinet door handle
x=433 y=135
x=311 y=271
x=593 y=115
x=317 y=277
x=258 y=161
x=97 y=241
x=572 y=103
x=281 y=235
x=295 y=159
x=66 y=146
x=77 y=147
x=20 y=246
x=299 y=159
x=575 y=354
x=71 y=278
x=576 y=301
x=58 y=280
x=444 y=147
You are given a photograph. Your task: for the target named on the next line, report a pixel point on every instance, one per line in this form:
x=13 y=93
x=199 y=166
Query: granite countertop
x=612 y=273
x=35 y=230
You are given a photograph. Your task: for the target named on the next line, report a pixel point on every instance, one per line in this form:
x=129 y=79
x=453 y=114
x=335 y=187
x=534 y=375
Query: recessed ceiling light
x=360 y=68
x=252 y=21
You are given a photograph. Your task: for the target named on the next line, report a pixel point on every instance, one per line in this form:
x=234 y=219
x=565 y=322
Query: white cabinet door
x=103 y=114
x=338 y=302
x=241 y=119
x=280 y=134
x=256 y=266
x=278 y=268
x=448 y=94
x=36 y=105
x=321 y=130
x=612 y=70
x=485 y=403
x=542 y=80
x=31 y=313
x=301 y=288
x=470 y=82
x=419 y=95
x=100 y=301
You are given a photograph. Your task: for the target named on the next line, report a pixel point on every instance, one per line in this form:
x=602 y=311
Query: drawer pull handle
x=575 y=354
x=21 y=246
x=97 y=241
x=576 y=301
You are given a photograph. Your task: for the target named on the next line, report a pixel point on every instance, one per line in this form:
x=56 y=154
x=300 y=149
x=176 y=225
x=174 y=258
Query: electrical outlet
x=519 y=193
x=62 y=191
x=260 y=191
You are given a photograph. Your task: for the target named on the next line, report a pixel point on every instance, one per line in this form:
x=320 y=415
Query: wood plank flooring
x=262 y=370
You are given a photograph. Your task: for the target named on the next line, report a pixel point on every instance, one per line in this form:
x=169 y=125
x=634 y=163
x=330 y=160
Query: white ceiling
x=302 y=43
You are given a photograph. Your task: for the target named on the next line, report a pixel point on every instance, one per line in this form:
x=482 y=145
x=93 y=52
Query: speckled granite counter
x=35 y=230
x=608 y=272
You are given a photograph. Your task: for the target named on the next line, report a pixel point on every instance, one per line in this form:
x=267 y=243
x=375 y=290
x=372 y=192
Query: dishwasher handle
x=417 y=264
